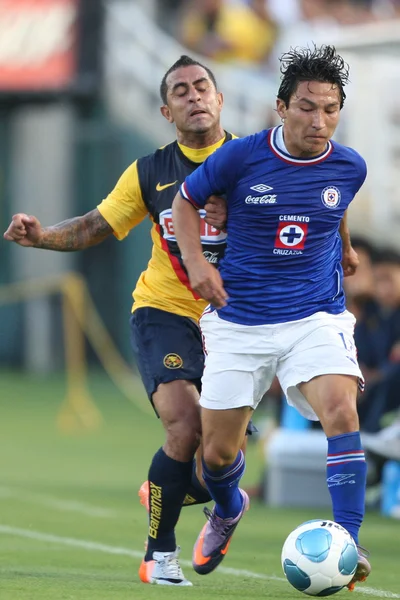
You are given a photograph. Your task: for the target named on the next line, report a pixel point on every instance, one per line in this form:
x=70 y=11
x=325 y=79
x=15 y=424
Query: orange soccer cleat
x=143 y=494
x=363 y=568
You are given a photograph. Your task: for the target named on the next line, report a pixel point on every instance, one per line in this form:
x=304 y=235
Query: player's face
x=311 y=118
x=193 y=103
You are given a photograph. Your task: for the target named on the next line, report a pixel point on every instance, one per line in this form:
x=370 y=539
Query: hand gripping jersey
x=148 y=187
x=283 y=257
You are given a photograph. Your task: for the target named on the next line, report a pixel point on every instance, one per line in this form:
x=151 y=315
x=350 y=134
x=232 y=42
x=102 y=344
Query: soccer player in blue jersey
x=277 y=305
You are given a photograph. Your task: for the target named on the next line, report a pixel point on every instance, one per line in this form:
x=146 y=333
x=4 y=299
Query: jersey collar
x=199 y=155
x=273 y=135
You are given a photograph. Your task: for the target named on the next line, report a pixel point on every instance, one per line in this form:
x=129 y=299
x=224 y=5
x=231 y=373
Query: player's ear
x=220 y=99
x=281 y=108
x=166 y=113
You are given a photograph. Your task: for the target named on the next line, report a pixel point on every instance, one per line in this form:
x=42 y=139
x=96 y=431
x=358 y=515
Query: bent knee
x=217 y=458
x=339 y=416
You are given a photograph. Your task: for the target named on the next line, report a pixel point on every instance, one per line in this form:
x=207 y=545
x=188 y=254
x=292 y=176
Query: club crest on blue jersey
x=291 y=235
x=330 y=196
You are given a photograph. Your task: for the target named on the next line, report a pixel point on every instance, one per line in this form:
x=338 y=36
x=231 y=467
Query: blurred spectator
x=313 y=24
x=378 y=342
x=351 y=12
x=233 y=32
x=359 y=287
x=250 y=30
x=168 y=15
x=284 y=13
x=303 y=22
x=387 y=9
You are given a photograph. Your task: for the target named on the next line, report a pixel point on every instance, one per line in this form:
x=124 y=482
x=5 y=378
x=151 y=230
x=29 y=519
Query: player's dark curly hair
x=183 y=61
x=312 y=64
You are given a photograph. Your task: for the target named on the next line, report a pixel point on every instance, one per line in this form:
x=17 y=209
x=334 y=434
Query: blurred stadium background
x=79 y=102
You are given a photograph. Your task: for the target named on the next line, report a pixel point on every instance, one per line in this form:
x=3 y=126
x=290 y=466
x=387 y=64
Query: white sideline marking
x=62 y=505
x=95 y=546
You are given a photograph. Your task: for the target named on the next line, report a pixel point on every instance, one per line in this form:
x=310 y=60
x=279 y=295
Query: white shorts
x=242 y=360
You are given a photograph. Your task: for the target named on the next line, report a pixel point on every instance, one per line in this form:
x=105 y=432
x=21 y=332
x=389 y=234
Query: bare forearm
x=77 y=233
x=204 y=279
x=345 y=232
x=187 y=228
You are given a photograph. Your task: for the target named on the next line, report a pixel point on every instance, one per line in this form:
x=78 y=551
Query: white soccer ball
x=319 y=558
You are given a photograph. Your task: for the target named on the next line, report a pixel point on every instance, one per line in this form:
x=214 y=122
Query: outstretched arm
x=77 y=233
x=349 y=255
x=203 y=277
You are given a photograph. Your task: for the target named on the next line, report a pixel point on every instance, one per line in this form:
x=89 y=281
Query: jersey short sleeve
x=124 y=207
x=360 y=169
x=217 y=175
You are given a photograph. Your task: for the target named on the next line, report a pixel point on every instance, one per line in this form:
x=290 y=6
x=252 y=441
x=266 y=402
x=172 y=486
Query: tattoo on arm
x=77 y=233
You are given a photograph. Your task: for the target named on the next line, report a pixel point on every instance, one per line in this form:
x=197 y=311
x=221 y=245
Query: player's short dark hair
x=312 y=64
x=183 y=61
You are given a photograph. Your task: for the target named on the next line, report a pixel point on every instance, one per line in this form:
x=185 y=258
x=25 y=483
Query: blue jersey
x=283 y=257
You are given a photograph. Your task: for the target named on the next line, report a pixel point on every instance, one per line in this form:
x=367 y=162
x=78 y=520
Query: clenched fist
x=25 y=230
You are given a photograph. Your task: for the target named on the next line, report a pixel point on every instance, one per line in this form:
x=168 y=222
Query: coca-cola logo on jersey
x=37 y=43
x=211 y=257
x=208 y=233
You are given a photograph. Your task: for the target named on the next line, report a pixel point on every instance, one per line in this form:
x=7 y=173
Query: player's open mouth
x=198 y=112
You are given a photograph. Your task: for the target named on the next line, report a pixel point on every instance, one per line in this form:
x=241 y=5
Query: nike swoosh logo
x=160 y=187
x=198 y=556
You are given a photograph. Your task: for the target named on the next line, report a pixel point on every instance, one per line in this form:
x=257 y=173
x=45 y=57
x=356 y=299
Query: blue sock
x=223 y=486
x=346 y=475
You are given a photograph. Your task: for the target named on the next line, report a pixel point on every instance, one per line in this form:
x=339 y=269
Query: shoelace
x=219 y=525
x=170 y=566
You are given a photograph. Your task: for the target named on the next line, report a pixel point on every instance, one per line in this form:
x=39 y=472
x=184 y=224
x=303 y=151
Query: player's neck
x=200 y=140
x=284 y=143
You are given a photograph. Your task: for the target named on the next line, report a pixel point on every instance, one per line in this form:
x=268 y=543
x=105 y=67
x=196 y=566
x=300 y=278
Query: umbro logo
x=160 y=187
x=340 y=479
x=261 y=187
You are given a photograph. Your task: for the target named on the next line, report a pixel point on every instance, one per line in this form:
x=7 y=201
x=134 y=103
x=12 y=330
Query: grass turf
x=72 y=528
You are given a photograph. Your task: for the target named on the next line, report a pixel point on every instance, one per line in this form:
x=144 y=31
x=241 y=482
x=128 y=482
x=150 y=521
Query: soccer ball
x=319 y=558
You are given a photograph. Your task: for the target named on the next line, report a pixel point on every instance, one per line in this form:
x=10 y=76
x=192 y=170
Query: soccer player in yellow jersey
x=164 y=331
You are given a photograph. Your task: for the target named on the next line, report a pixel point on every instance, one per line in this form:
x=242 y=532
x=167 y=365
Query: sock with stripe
x=196 y=492
x=168 y=482
x=223 y=486
x=346 y=479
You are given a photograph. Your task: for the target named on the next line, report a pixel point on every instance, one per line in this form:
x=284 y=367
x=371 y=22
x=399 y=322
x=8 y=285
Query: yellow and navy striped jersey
x=147 y=188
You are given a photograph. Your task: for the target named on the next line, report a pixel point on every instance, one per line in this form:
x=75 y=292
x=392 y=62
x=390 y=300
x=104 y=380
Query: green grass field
x=71 y=526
